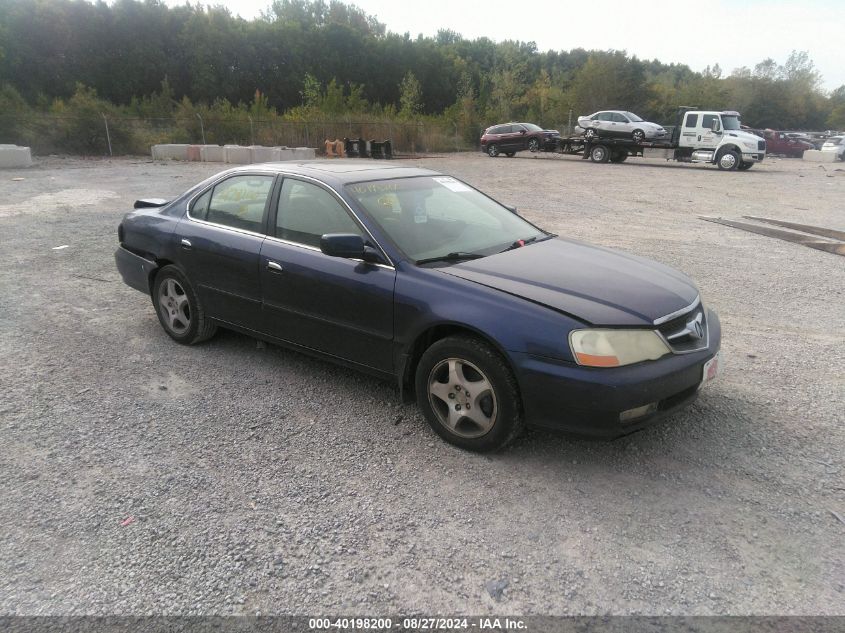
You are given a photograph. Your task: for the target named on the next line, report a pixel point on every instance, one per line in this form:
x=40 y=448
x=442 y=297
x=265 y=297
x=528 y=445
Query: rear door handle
x=186 y=244
x=274 y=267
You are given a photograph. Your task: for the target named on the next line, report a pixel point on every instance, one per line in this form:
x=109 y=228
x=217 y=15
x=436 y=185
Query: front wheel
x=178 y=308
x=638 y=136
x=468 y=394
x=493 y=151
x=533 y=145
x=728 y=161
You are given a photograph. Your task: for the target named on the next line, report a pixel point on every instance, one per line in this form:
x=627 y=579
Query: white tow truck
x=700 y=136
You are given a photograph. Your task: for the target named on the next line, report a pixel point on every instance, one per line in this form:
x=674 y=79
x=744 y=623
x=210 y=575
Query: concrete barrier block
x=304 y=153
x=285 y=153
x=818 y=156
x=212 y=154
x=194 y=152
x=12 y=156
x=237 y=155
x=261 y=154
x=170 y=151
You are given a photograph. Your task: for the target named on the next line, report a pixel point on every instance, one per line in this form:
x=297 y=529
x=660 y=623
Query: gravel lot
x=139 y=476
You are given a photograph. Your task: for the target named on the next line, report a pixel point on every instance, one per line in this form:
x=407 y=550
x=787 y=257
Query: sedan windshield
x=532 y=128
x=633 y=117
x=439 y=217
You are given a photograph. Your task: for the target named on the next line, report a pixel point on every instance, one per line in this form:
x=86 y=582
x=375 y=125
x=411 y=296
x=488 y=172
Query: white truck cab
x=716 y=137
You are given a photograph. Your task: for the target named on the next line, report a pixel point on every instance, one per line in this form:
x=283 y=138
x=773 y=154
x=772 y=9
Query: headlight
x=750 y=145
x=614 y=348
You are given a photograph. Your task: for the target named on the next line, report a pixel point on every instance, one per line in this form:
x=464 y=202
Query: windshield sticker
x=375 y=187
x=451 y=183
x=420 y=215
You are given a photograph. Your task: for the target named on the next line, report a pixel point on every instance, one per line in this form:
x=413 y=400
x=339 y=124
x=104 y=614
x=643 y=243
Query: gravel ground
x=139 y=476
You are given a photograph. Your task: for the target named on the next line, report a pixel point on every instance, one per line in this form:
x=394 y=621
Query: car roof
x=339 y=171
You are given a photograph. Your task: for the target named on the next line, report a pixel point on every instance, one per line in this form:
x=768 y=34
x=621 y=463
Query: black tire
x=493 y=150
x=499 y=406
x=619 y=157
x=510 y=154
x=638 y=136
x=599 y=154
x=533 y=145
x=745 y=166
x=728 y=160
x=591 y=133
x=178 y=308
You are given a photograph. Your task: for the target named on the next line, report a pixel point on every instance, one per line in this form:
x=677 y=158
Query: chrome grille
x=761 y=145
x=687 y=332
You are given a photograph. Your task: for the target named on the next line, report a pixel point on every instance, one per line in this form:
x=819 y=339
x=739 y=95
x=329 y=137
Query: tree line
x=307 y=59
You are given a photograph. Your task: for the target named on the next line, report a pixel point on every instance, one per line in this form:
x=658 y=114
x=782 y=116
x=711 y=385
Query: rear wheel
x=599 y=154
x=468 y=394
x=619 y=157
x=638 y=136
x=510 y=154
x=533 y=145
x=493 y=151
x=178 y=308
x=728 y=161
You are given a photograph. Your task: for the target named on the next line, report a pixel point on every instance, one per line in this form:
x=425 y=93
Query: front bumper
x=753 y=157
x=587 y=401
x=134 y=269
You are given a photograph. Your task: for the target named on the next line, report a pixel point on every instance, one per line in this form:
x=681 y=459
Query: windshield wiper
x=450 y=257
x=520 y=244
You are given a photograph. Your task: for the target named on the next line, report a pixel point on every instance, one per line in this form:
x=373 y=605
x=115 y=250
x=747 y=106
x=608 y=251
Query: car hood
x=597 y=285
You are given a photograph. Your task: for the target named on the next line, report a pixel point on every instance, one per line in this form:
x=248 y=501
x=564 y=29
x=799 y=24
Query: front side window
x=306 y=212
x=633 y=117
x=707 y=120
x=432 y=216
x=237 y=202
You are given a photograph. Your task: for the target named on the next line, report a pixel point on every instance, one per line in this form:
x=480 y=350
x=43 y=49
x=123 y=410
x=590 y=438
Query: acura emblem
x=695 y=328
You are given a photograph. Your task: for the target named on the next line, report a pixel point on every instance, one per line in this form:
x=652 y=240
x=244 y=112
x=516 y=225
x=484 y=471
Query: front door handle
x=274 y=267
x=186 y=244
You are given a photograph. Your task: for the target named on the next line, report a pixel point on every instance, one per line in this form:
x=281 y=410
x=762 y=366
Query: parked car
x=803 y=136
x=488 y=321
x=618 y=123
x=781 y=143
x=835 y=144
x=510 y=138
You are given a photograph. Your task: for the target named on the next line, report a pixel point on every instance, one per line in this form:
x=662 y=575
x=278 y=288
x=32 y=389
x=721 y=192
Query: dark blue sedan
x=488 y=321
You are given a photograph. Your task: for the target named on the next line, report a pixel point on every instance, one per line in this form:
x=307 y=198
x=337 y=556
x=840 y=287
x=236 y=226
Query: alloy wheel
x=462 y=398
x=175 y=307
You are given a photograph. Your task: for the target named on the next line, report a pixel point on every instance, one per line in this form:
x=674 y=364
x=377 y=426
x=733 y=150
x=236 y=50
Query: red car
x=782 y=143
x=510 y=138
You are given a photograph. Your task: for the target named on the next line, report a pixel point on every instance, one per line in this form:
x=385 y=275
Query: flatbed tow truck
x=701 y=136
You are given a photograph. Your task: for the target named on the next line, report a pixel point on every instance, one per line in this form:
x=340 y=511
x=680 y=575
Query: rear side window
x=306 y=212
x=238 y=202
x=200 y=208
x=692 y=120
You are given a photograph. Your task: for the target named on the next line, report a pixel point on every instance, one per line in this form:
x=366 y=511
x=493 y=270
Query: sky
x=732 y=33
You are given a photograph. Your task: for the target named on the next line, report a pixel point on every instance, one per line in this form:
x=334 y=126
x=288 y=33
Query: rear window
x=692 y=120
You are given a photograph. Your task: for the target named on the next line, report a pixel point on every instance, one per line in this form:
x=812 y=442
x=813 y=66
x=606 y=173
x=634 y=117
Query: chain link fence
x=106 y=134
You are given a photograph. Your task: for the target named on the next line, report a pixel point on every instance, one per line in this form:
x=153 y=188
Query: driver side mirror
x=715 y=126
x=522 y=132
x=349 y=246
